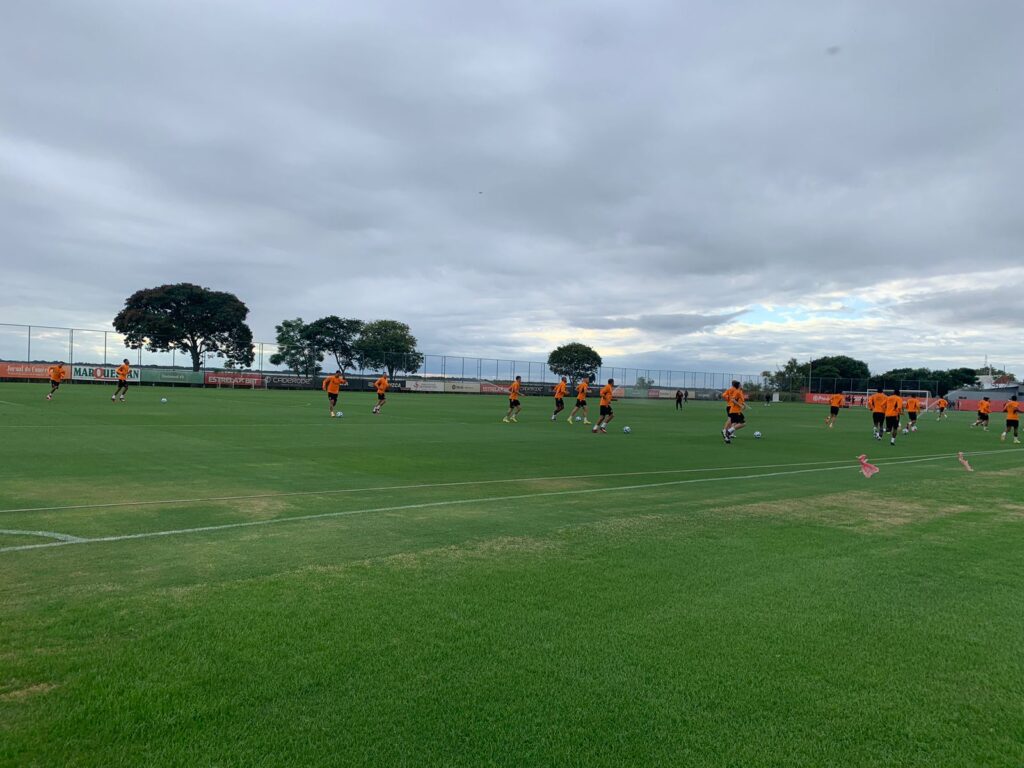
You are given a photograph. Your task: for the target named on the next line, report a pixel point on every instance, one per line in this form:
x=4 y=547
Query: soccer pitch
x=234 y=579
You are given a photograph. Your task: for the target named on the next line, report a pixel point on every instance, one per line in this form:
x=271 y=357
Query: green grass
x=657 y=598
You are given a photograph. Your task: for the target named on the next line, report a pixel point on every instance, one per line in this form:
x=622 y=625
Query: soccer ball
x=627 y=430
x=163 y=399
x=906 y=431
x=338 y=414
x=757 y=435
x=579 y=418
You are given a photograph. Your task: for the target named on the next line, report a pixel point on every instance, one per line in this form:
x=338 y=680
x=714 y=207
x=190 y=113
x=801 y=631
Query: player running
x=737 y=404
x=834 y=404
x=913 y=409
x=1012 y=420
x=123 y=371
x=893 y=409
x=876 y=404
x=382 y=385
x=607 y=392
x=581 y=400
x=56 y=374
x=727 y=396
x=332 y=385
x=560 y=389
x=942 y=404
x=984 y=408
x=514 y=406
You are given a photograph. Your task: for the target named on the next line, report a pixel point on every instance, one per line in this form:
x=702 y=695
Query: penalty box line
x=453 y=503
x=421 y=486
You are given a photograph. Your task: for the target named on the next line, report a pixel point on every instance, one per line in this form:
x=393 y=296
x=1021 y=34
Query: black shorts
x=54 y=383
x=834 y=410
x=122 y=383
x=581 y=403
x=727 y=411
x=737 y=418
x=982 y=416
x=332 y=398
x=912 y=415
x=878 y=418
x=891 y=423
x=942 y=410
x=381 y=395
x=1012 y=423
x=606 y=410
x=513 y=403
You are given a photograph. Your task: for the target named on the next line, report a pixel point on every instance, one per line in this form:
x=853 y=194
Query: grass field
x=245 y=582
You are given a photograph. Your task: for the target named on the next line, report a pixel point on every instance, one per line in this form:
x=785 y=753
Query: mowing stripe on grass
x=420 y=486
x=44 y=534
x=461 y=502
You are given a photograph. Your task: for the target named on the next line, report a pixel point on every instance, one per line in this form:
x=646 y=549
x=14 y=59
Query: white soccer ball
x=627 y=430
x=757 y=435
x=163 y=399
x=338 y=414
x=579 y=418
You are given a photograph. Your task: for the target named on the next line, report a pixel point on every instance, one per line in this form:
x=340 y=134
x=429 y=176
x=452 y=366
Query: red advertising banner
x=487 y=388
x=963 y=404
x=233 y=379
x=29 y=371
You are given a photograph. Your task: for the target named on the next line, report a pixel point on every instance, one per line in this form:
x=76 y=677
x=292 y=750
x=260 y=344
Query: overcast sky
x=691 y=185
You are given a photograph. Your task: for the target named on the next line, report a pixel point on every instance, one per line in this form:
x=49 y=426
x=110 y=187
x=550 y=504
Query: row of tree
x=196 y=321
x=842 y=367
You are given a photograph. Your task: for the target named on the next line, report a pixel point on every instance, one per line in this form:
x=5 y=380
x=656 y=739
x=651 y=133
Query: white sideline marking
x=458 y=502
x=46 y=534
x=420 y=486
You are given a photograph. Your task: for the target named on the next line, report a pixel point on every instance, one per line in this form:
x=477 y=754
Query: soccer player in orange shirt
x=984 y=408
x=560 y=389
x=581 y=400
x=381 y=385
x=893 y=409
x=834 y=404
x=123 y=372
x=727 y=396
x=876 y=404
x=607 y=395
x=913 y=408
x=942 y=404
x=514 y=405
x=1012 y=419
x=332 y=385
x=56 y=374
x=737 y=404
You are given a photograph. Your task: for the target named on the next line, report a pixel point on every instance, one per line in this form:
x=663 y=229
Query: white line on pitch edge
x=456 y=502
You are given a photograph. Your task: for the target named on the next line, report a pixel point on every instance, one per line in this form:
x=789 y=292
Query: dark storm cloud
x=503 y=176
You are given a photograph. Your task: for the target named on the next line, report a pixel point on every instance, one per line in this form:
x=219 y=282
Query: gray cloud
x=505 y=176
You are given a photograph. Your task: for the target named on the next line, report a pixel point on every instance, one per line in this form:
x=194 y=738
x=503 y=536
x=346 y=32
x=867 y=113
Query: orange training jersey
x=56 y=372
x=836 y=401
x=560 y=388
x=513 y=391
x=727 y=395
x=736 y=400
x=942 y=403
x=581 y=390
x=893 y=405
x=913 y=405
x=984 y=406
x=1012 y=408
x=122 y=371
x=877 y=402
x=606 y=394
x=333 y=384
x=382 y=384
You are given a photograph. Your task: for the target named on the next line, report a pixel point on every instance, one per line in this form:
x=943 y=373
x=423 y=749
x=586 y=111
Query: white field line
x=459 y=502
x=46 y=534
x=422 y=486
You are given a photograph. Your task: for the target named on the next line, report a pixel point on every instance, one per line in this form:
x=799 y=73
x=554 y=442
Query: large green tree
x=388 y=344
x=337 y=336
x=188 y=318
x=298 y=347
x=575 y=361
